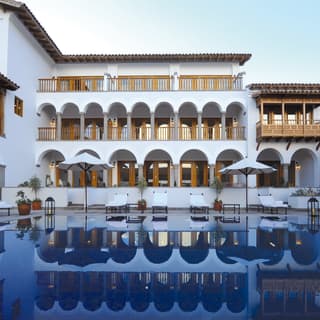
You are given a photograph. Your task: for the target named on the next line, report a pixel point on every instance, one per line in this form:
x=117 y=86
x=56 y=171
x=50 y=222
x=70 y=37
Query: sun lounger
x=5 y=206
x=160 y=202
x=119 y=203
x=197 y=203
x=160 y=222
x=268 y=202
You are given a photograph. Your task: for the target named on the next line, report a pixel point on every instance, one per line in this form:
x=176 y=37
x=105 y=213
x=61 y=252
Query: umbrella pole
x=85 y=192
x=246 y=192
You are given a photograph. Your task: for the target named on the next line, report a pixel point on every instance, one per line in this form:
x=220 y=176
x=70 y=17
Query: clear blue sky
x=282 y=35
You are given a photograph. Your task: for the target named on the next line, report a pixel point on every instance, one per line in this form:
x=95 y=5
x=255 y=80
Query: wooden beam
x=288 y=145
x=258 y=145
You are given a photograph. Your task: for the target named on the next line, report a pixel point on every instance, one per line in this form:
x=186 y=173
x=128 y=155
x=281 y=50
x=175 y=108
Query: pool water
x=93 y=267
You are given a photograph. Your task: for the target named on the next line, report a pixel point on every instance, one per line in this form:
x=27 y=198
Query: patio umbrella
x=84 y=162
x=246 y=167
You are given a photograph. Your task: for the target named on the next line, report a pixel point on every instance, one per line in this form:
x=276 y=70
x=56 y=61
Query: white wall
x=26 y=62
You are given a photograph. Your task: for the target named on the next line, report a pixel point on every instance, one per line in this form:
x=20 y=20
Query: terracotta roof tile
x=6 y=83
x=285 y=88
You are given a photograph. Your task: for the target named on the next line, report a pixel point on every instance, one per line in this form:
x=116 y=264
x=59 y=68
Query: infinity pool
x=93 y=267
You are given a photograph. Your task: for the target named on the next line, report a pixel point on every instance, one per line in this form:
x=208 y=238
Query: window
x=18 y=106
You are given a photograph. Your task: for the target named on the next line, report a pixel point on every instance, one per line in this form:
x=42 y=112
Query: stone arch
x=273 y=158
x=302 y=168
x=194 y=168
x=126 y=168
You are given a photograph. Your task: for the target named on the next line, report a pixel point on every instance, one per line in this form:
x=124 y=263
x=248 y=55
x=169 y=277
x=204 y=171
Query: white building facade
x=172 y=119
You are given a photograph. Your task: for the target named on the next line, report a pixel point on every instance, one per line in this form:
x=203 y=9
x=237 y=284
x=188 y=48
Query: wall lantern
x=313 y=215
x=313 y=207
x=49 y=206
x=298 y=166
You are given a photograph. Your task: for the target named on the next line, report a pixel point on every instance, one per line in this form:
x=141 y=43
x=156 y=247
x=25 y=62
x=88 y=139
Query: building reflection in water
x=233 y=268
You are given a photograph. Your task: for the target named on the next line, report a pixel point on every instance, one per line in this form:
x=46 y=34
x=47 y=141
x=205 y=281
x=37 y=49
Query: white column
x=152 y=125
x=223 y=125
x=211 y=173
x=285 y=167
x=176 y=175
x=129 y=126
x=105 y=126
x=59 y=126
x=176 y=126
x=82 y=126
x=140 y=171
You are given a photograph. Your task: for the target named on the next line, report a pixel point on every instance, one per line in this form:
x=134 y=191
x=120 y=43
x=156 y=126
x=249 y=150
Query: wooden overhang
x=287 y=93
x=6 y=83
x=281 y=90
x=32 y=24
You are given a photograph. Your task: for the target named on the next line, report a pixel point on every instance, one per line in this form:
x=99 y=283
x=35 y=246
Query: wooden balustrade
x=93 y=133
x=142 y=133
x=139 y=83
x=212 y=83
x=46 y=134
x=287 y=128
x=165 y=133
x=70 y=133
x=235 y=133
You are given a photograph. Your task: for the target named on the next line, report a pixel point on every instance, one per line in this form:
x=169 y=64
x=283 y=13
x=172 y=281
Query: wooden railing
x=46 y=134
x=295 y=129
x=143 y=133
x=70 y=133
x=140 y=83
x=212 y=83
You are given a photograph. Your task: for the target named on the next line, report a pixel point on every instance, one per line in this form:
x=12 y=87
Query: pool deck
x=100 y=211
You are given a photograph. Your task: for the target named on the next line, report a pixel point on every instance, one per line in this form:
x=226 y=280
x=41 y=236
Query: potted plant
x=35 y=185
x=218 y=186
x=142 y=203
x=23 y=203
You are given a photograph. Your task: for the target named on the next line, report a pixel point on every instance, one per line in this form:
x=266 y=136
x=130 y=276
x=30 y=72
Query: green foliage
x=22 y=198
x=142 y=184
x=35 y=185
x=218 y=186
x=306 y=192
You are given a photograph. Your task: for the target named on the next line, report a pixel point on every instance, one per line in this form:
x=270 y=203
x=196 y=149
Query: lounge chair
x=159 y=202
x=5 y=206
x=160 y=222
x=119 y=203
x=268 y=202
x=197 y=203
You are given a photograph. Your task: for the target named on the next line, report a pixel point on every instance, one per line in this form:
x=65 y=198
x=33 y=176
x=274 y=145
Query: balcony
x=140 y=83
x=288 y=129
x=143 y=134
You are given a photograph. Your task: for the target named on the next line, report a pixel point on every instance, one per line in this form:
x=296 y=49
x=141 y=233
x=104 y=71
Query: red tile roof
x=285 y=88
x=6 y=83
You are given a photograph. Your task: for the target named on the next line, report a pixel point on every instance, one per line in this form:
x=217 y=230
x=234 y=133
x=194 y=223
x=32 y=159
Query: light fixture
x=298 y=166
x=53 y=123
x=298 y=242
x=52 y=164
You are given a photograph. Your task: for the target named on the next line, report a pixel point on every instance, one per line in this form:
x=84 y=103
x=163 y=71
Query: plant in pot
x=23 y=203
x=142 y=203
x=35 y=185
x=218 y=186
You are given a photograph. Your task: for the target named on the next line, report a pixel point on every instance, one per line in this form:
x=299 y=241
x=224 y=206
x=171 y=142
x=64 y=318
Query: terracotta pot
x=142 y=205
x=217 y=205
x=24 y=208
x=36 y=205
